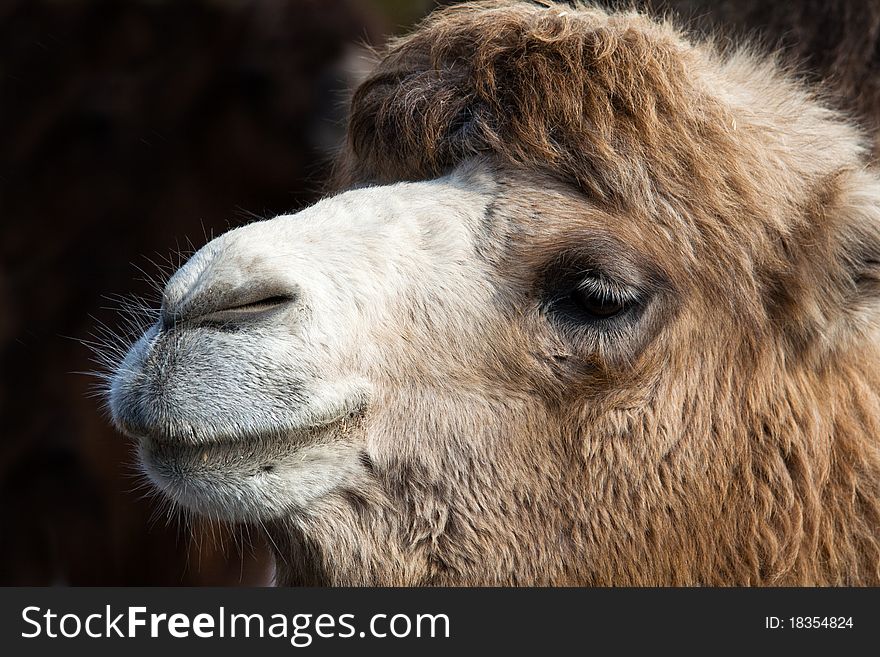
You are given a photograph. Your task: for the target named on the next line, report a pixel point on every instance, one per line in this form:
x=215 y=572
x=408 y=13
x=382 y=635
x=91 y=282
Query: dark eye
x=594 y=299
x=597 y=304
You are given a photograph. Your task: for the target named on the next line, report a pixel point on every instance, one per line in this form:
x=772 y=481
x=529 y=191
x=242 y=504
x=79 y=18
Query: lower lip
x=180 y=458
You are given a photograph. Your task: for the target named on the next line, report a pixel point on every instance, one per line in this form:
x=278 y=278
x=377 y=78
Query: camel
x=593 y=303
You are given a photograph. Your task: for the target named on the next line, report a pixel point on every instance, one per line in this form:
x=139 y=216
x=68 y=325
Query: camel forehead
x=446 y=209
x=456 y=196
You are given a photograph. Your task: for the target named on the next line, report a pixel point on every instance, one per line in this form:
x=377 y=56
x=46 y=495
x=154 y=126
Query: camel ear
x=853 y=271
x=826 y=293
x=858 y=224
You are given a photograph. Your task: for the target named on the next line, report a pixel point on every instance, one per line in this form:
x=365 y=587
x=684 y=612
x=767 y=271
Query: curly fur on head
x=588 y=96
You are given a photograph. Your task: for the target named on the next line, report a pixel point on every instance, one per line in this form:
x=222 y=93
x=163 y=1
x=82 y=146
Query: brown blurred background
x=130 y=130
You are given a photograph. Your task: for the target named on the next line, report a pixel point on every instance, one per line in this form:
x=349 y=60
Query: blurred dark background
x=130 y=131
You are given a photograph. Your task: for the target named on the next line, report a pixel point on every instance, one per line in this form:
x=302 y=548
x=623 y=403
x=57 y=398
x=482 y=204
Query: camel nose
x=227 y=306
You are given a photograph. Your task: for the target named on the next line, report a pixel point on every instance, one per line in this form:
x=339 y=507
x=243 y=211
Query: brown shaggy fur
x=735 y=444
x=834 y=42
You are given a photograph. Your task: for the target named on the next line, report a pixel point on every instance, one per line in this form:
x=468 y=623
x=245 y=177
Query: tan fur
x=735 y=441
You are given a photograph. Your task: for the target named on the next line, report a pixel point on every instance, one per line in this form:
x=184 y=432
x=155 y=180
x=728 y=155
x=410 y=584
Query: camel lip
x=268 y=446
x=169 y=461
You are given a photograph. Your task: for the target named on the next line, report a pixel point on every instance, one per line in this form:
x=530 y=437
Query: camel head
x=593 y=304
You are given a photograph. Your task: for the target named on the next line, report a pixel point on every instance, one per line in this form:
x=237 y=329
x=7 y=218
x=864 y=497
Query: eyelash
x=600 y=286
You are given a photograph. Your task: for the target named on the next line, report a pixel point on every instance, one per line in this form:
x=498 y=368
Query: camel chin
x=254 y=481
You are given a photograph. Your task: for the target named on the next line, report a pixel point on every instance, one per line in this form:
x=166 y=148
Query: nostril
x=228 y=307
x=260 y=305
x=243 y=308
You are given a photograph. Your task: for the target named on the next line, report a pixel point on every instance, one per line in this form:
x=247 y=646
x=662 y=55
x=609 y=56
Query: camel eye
x=594 y=299
x=597 y=305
